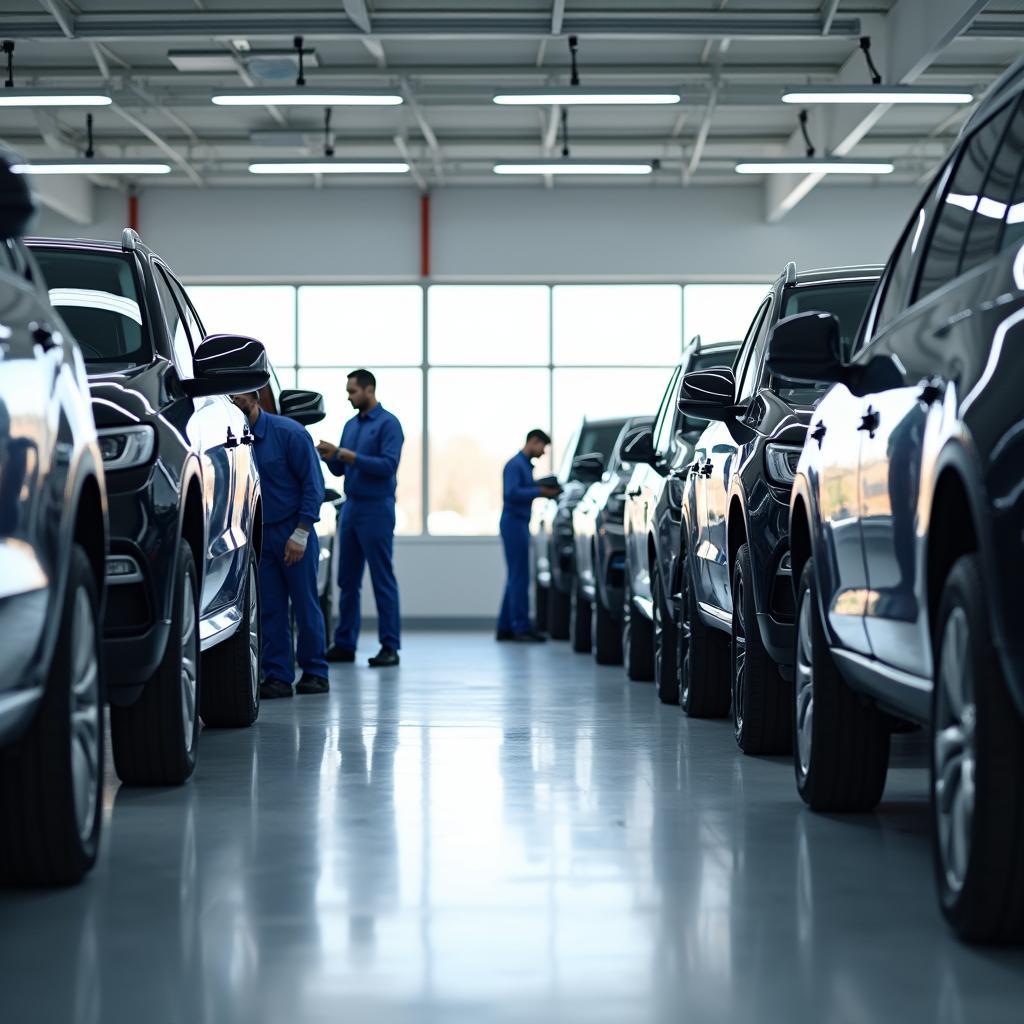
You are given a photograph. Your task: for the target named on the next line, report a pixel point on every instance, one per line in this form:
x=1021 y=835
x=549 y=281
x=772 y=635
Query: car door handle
x=707 y=469
x=818 y=433
x=247 y=437
x=42 y=335
x=931 y=391
x=232 y=441
x=869 y=421
x=633 y=494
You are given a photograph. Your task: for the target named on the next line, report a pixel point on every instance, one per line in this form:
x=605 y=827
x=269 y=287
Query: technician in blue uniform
x=368 y=457
x=292 y=485
x=520 y=492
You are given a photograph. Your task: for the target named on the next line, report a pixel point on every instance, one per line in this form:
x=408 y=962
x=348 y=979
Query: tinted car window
x=942 y=258
x=997 y=196
x=180 y=342
x=97 y=296
x=663 y=423
x=598 y=437
x=753 y=358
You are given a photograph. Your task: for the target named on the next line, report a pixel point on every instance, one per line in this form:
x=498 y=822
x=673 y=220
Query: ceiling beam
x=403 y=149
x=358 y=14
x=828 y=15
x=904 y=43
x=60 y=13
x=702 y=137
x=167 y=150
x=425 y=130
x=557 y=16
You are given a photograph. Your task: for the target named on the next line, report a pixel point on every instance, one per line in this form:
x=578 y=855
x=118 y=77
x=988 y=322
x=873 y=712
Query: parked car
x=185 y=513
x=660 y=456
x=907 y=515
x=583 y=462
x=600 y=556
x=736 y=608
x=53 y=548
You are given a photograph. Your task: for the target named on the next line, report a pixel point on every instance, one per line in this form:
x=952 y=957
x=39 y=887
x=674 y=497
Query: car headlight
x=126 y=447
x=780 y=462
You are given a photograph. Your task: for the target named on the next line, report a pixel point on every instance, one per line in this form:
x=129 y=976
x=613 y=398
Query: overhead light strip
x=869 y=95
x=329 y=167
x=566 y=167
x=585 y=97
x=52 y=98
x=823 y=166
x=303 y=97
x=92 y=167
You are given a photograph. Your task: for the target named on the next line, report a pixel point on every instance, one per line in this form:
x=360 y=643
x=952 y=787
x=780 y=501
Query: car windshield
x=97 y=297
x=847 y=302
x=593 y=437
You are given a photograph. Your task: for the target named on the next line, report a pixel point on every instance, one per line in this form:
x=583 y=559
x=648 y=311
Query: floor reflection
x=512 y=835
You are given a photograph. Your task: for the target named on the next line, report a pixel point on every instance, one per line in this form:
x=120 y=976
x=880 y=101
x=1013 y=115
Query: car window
x=7 y=257
x=97 y=296
x=996 y=197
x=192 y=321
x=752 y=368
x=177 y=331
x=665 y=417
x=941 y=261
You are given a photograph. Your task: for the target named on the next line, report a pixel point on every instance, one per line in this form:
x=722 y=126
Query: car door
x=923 y=341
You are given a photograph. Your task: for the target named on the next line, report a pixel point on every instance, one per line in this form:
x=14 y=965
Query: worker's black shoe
x=504 y=634
x=310 y=683
x=271 y=688
x=531 y=637
x=336 y=654
x=385 y=658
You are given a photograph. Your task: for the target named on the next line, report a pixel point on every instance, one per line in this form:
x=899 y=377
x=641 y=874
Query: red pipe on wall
x=425 y=235
x=133 y=212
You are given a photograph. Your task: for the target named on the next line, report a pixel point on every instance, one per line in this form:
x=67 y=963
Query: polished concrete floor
x=494 y=833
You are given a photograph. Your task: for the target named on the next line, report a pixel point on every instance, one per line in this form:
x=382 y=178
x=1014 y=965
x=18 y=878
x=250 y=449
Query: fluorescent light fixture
x=875 y=94
x=52 y=98
x=541 y=167
x=92 y=166
x=812 y=166
x=329 y=167
x=301 y=96
x=576 y=97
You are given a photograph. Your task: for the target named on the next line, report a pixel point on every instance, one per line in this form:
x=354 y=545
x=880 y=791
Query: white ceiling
x=450 y=56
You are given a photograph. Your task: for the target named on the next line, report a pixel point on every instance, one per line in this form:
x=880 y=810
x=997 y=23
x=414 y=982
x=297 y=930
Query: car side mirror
x=589 y=468
x=305 y=407
x=228 y=364
x=709 y=394
x=638 y=446
x=805 y=348
x=17 y=207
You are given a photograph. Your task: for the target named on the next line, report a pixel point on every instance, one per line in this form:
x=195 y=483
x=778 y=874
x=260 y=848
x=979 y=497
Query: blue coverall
x=520 y=492
x=292 y=485
x=367 y=530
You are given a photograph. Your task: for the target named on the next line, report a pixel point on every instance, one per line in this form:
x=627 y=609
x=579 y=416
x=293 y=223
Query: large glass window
x=719 y=312
x=479 y=325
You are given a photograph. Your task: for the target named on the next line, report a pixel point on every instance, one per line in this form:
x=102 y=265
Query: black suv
x=185 y=527
x=660 y=456
x=736 y=606
x=53 y=551
x=907 y=516
x=583 y=462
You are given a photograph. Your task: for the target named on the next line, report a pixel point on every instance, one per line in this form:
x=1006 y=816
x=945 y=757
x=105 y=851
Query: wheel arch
x=736 y=530
x=193 y=521
x=799 y=537
x=952 y=532
x=90 y=528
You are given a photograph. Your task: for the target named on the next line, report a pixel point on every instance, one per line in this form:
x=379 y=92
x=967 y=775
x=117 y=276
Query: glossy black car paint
x=598 y=529
x=200 y=486
x=730 y=498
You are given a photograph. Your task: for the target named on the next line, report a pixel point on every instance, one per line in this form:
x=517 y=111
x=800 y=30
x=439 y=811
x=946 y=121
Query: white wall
x=592 y=232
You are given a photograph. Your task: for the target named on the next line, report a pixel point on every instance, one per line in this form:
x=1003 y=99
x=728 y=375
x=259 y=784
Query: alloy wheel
x=954 y=751
x=739 y=654
x=659 y=626
x=254 y=635
x=86 y=714
x=685 y=632
x=189 y=661
x=804 y=674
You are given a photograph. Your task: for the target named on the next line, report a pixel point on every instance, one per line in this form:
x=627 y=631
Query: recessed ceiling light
x=329 y=167
x=875 y=94
x=813 y=166
x=302 y=96
x=575 y=96
x=542 y=167
x=51 y=98
x=92 y=167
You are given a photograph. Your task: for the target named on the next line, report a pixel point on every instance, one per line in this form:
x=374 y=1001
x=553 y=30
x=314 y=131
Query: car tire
x=977 y=770
x=155 y=741
x=637 y=640
x=666 y=644
x=231 y=670
x=762 y=701
x=703 y=654
x=540 y=605
x=840 y=742
x=51 y=780
x=582 y=639
x=606 y=634
x=559 y=613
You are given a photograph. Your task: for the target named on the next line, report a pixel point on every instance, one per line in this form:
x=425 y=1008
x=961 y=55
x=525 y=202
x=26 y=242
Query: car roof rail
x=130 y=240
x=790 y=273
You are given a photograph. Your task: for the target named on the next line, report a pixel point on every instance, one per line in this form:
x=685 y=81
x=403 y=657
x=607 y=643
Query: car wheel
x=559 y=613
x=762 y=713
x=841 y=748
x=977 y=770
x=606 y=634
x=703 y=653
x=666 y=645
x=540 y=605
x=155 y=740
x=231 y=670
x=637 y=640
x=51 y=780
x=582 y=640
